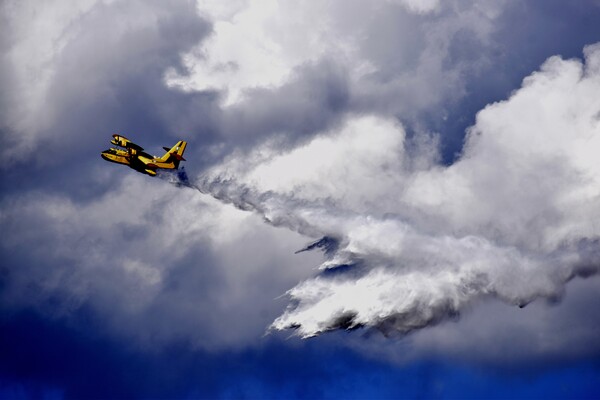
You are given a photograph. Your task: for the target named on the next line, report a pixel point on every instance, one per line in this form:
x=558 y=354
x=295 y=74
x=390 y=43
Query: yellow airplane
x=134 y=156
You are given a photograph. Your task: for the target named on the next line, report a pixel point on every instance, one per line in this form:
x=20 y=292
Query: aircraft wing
x=147 y=160
x=122 y=141
x=150 y=165
x=134 y=146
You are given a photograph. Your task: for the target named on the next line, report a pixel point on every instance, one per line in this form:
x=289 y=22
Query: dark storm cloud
x=316 y=97
x=151 y=271
x=107 y=78
x=515 y=334
x=42 y=359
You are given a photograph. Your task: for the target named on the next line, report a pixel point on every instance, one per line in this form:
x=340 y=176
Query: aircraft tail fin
x=175 y=153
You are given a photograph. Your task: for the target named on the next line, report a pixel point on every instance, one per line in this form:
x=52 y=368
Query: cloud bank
x=409 y=242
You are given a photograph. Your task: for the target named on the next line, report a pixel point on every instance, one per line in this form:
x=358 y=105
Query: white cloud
x=393 y=51
x=419 y=6
x=366 y=153
x=516 y=217
x=253 y=44
x=527 y=159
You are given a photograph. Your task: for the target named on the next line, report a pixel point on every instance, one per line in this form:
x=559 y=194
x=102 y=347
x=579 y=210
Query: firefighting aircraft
x=134 y=156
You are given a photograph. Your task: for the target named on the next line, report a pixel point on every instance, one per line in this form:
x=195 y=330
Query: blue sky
x=446 y=150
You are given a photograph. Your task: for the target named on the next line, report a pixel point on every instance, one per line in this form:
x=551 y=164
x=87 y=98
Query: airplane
x=135 y=157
